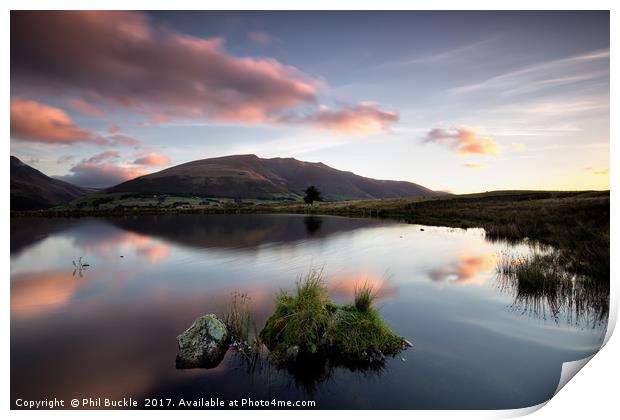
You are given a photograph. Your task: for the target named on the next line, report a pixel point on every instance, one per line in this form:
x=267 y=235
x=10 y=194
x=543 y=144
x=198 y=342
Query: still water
x=109 y=330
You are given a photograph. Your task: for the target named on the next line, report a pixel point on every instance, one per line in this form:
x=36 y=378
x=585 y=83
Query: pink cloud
x=34 y=121
x=363 y=118
x=98 y=171
x=113 y=128
x=37 y=122
x=153 y=159
x=463 y=141
x=121 y=59
x=110 y=154
x=84 y=107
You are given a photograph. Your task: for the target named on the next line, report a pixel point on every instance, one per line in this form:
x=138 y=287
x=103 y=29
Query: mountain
x=248 y=176
x=33 y=190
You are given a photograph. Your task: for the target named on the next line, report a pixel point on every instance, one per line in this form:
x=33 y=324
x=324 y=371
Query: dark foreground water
x=109 y=331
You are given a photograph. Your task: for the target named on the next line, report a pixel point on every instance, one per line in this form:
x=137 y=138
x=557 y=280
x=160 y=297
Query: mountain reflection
x=241 y=231
x=196 y=231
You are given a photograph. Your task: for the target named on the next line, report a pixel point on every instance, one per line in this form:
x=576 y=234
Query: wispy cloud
x=586 y=66
x=557 y=106
x=84 y=107
x=262 y=38
x=460 y=53
x=600 y=172
x=472 y=165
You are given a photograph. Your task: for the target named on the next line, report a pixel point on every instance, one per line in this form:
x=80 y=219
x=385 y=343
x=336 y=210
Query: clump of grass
x=364 y=297
x=310 y=323
x=359 y=334
x=300 y=319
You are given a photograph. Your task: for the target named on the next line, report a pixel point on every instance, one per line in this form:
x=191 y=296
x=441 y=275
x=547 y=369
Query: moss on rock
x=203 y=344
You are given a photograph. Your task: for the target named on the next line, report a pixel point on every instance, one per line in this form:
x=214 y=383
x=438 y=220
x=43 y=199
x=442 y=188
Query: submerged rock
x=203 y=344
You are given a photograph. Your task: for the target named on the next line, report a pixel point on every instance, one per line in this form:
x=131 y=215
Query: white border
x=592 y=394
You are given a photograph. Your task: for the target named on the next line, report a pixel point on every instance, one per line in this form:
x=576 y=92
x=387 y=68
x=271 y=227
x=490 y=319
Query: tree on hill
x=312 y=194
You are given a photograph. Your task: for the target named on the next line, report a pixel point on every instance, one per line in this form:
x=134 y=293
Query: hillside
x=32 y=189
x=251 y=177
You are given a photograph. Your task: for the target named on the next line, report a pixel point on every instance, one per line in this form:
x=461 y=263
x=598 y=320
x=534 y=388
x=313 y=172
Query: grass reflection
x=543 y=286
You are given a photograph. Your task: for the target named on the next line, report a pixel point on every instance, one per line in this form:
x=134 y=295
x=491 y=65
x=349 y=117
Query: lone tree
x=312 y=194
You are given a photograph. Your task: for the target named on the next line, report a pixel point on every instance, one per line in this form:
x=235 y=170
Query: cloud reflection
x=34 y=294
x=466 y=270
x=343 y=287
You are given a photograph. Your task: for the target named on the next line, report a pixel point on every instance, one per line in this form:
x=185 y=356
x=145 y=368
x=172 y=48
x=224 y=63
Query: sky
x=455 y=101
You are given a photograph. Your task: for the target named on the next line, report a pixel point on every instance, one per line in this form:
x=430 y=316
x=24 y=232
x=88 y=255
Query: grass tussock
x=364 y=297
x=356 y=334
x=300 y=319
x=308 y=322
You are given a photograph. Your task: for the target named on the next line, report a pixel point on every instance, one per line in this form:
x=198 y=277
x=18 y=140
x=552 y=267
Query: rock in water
x=204 y=344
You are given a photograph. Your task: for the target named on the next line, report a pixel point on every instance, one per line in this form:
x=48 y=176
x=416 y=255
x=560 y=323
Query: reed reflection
x=542 y=286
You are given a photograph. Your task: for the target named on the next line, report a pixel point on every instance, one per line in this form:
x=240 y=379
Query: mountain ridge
x=31 y=189
x=251 y=177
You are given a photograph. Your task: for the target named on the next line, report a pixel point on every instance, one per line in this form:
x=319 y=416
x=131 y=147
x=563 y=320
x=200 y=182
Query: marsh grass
x=542 y=285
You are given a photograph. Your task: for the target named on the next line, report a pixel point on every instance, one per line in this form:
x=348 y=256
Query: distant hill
x=33 y=190
x=248 y=176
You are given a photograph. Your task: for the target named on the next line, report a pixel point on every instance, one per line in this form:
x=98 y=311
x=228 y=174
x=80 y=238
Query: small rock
x=203 y=344
x=292 y=353
x=422 y=230
x=407 y=343
x=374 y=357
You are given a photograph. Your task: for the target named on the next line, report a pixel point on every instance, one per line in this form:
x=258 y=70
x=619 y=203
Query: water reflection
x=343 y=287
x=541 y=286
x=249 y=231
x=467 y=269
x=37 y=293
x=313 y=224
x=112 y=332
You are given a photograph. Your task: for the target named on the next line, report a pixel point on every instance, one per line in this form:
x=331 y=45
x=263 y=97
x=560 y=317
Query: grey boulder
x=203 y=344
